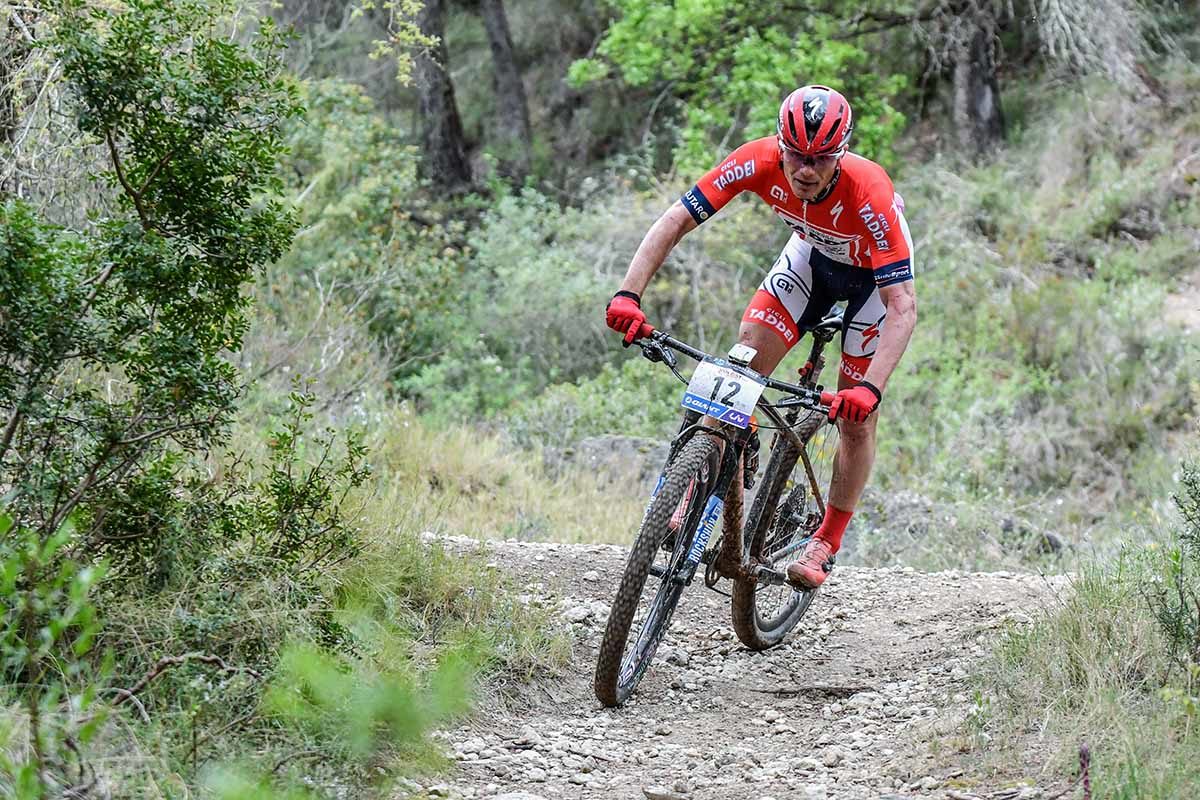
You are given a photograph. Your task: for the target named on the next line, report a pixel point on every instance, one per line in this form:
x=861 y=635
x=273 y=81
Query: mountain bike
x=709 y=467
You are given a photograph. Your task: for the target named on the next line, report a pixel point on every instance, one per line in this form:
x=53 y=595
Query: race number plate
x=721 y=391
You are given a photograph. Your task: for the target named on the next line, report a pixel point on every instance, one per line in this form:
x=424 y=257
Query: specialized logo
x=877 y=225
x=732 y=173
x=813 y=109
x=869 y=333
x=836 y=212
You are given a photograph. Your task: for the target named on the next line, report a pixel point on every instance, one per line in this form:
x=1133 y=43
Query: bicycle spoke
x=655 y=575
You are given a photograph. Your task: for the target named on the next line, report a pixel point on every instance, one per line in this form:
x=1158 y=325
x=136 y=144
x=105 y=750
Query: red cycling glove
x=624 y=315
x=856 y=403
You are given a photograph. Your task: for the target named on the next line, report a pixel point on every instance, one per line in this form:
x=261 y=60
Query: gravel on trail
x=850 y=706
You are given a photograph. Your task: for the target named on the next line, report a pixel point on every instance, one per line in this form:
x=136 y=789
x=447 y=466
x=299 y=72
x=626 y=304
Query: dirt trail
x=865 y=702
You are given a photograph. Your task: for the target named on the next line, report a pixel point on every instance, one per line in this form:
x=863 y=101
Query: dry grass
x=1095 y=671
x=466 y=482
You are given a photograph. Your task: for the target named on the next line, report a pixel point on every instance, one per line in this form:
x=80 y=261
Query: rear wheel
x=784 y=515
x=642 y=609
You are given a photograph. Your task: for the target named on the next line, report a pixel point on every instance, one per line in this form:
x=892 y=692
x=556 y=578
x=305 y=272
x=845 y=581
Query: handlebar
x=813 y=397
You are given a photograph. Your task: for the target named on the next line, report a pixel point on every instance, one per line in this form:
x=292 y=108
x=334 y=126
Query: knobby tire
x=753 y=629
x=618 y=672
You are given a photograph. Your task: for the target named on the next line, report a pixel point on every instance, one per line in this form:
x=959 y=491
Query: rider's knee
x=858 y=431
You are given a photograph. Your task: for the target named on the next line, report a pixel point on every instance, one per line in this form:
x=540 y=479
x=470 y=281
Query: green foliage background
x=288 y=358
x=730 y=68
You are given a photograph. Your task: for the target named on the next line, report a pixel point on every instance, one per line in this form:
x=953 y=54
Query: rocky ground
x=869 y=700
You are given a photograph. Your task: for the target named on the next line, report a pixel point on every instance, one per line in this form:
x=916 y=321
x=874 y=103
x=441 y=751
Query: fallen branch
x=292 y=757
x=166 y=662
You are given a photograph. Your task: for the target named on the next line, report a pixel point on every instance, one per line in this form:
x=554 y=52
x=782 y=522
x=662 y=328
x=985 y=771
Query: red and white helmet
x=815 y=120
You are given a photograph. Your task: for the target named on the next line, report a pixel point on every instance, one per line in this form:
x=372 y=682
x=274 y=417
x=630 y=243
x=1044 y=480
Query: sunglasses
x=823 y=161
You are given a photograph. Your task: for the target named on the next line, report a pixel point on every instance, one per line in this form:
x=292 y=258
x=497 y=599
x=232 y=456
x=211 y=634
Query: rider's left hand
x=856 y=403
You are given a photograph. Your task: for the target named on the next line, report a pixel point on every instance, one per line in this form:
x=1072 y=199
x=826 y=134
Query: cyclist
x=850 y=242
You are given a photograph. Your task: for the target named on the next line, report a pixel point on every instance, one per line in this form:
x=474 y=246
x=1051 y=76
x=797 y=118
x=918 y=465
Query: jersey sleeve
x=743 y=170
x=886 y=230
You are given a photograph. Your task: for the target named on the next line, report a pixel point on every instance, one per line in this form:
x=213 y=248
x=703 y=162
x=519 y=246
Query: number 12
x=734 y=389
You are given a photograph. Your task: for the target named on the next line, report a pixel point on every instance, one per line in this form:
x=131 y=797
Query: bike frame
x=728 y=558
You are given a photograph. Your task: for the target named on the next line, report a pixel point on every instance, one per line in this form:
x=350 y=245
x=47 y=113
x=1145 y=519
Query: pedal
x=772 y=577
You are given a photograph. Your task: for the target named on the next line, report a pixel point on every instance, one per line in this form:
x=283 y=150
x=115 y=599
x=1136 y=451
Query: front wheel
x=784 y=515
x=640 y=612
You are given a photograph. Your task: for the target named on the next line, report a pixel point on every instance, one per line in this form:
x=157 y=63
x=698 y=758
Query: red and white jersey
x=860 y=222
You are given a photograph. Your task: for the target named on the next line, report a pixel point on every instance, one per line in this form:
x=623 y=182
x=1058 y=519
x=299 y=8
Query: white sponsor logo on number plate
x=720 y=391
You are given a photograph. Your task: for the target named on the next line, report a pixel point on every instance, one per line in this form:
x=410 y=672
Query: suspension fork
x=687 y=429
x=717 y=497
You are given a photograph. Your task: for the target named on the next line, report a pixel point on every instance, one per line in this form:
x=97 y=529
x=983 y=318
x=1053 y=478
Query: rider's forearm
x=893 y=340
x=663 y=235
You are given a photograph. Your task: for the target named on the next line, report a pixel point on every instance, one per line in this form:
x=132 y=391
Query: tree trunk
x=514 y=134
x=978 y=117
x=442 y=140
x=14 y=50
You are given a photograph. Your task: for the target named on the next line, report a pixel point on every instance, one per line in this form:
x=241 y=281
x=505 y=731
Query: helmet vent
x=837 y=124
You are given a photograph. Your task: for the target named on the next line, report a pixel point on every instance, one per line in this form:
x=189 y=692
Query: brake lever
x=652 y=351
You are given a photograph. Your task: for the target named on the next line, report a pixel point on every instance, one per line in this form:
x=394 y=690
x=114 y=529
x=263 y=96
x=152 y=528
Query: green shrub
x=1114 y=666
x=748 y=65
x=636 y=399
x=114 y=343
x=1041 y=348
x=48 y=626
x=1174 y=595
x=373 y=251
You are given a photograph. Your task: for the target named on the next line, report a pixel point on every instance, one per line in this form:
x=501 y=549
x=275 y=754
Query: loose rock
x=661 y=793
x=846 y=716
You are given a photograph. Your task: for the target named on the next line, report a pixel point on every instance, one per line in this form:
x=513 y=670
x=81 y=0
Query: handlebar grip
x=644 y=330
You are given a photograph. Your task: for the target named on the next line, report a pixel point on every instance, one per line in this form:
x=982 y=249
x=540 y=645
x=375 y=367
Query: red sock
x=833 y=526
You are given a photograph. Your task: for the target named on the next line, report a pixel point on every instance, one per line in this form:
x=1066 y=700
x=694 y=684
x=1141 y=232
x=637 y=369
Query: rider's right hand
x=624 y=315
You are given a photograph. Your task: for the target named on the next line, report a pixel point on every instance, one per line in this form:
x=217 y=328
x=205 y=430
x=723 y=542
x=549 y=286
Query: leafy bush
x=746 y=67
x=1056 y=384
x=116 y=385
x=1174 y=596
x=375 y=253
x=284 y=516
x=113 y=346
x=48 y=625
x=636 y=399
x=540 y=274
